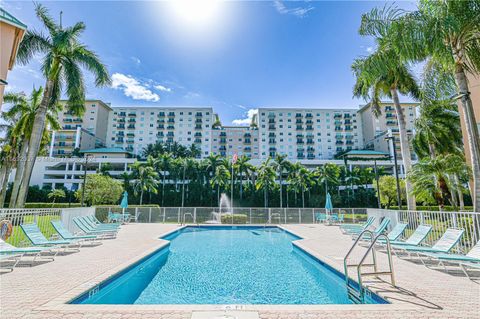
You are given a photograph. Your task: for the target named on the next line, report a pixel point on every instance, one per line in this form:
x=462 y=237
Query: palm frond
x=91 y=62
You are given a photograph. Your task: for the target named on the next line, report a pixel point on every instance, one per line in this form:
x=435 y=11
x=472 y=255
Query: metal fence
x=253 y=215
x=440 y=221
x=42 y=217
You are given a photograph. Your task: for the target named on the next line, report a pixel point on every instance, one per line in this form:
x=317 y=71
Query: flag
x=234 y=158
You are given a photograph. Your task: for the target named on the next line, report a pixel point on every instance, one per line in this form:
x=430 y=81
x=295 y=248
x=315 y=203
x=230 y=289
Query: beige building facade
x=11 y=34
x=375 y=129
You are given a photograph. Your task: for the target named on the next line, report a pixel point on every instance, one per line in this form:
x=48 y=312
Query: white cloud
x=135 y=60
x=131 y=87
x=370 y=49
x=296 y=11
x=246 y=121
x=163 y=88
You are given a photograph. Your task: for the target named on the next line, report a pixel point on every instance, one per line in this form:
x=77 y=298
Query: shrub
x=49 y=205
x=237 y=219
x=434 y=208
x=101 y=211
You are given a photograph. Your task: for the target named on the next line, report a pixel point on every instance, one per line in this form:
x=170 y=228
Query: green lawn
x=19 y=238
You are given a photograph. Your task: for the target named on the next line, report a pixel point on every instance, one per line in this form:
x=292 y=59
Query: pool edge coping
x=62 y=302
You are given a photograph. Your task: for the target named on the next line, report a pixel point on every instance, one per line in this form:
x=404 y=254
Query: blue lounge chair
x=17 y=253
x=95 y=220
x=34 y=234
x=67 y=235
x=416 y=238
x=79 y=222
x=448 y=240
x=379 y=230
x=95 y=226
x=466 y=262
x=395 y=233
x=320 y=217
x=352 y=228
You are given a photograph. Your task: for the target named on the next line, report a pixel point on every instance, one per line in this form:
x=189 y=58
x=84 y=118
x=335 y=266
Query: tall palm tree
x=188 y=165
x=23 y=110
x=220 y=179
x=446 y=32
x=328 y=174
x=265 y=180
x=145 y=179
x=164 y=164
x=64 y=56
x=281 y=164
x=243 y=168
x=381 y=75
x=300 y=181
x=212 y=162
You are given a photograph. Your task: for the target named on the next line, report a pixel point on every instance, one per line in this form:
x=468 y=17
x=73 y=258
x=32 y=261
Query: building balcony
x=272 y=149
x=120 y=134
x=121 y=120
x=389 y=108
x=121 y=126
x=247 y=141
x=348 y=128
x=271 y=127
x=129 y=148
x=309 y=141
x=347 y=122
x=247 y=135
x=390 y=116
x=119 y=140
x=300 y=156
x=63 y=144
x=339 y=142
x=170 y=134
x=347 y=116
x=161 y=121
x=170 y=127
x=310 y=156
x=171 y=120
x=270 y=115
x=222 y=141
x=349 y=142
x=299 y=121
x=161 y=114
x=298 y=115
x=299 y=128
x=309 y=122
x=68 y=120
x=247 y=149
x=272 y=141
x=130 y=141
x=222 y=148
x=198 y=141
x=309 y=115
x=161 y=127
x=171 y=114
x=132 y=114
x=349 y=137
x=198 y=134
x=169 y=140
x=131 y=127
x=198 y=121
x=130 y=134
x=199 y=114
x=223 y=134
x=132 y=121
x=391 y=122
x=271 y=121
x=300 y=141
x=337 y=116
x=198 y=127
x=122 y=114
x=309 y=128
x=160 y=134
x=77 y=120
x=310 y=149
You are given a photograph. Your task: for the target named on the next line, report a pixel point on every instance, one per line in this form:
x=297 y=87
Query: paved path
x=41 y=291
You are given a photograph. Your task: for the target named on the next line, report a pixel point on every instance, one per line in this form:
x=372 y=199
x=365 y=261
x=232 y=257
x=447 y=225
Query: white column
x=51 y=144
x=77 y=137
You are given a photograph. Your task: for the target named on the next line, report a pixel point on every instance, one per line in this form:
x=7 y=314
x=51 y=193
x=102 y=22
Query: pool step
x=354 y=295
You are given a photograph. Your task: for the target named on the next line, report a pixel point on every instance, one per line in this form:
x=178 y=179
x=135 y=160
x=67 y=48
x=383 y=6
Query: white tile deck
x=41 y=291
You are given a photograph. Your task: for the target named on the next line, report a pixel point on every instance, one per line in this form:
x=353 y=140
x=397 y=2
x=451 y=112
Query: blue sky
x=233 y=56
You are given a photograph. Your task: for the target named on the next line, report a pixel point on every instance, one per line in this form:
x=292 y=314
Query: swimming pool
x=225 y=265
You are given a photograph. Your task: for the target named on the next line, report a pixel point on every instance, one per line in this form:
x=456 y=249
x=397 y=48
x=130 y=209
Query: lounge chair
x=379 y=230
x=16 y=253
x=95 y=220
x=416 y=238
x=448 y=240
x=67 y=235
x=320 y=217
x=80 y=223
x=11 y=259
x=470 y=260
x=118 y=217
x=34 y=234
x=92 y=225
x=353 y=228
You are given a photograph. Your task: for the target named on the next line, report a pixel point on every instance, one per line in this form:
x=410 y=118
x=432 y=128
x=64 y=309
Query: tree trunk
x=281 y=193
x=6 y=176
x=404 y=147
x=163 y=188
x=19 y=173
x=141 y=197
x=3 y=173
x=34 y=145
x=303 y=198
x=472 y=133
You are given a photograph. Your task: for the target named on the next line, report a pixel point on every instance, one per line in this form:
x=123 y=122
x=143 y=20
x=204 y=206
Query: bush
x=237 y=219
x=49 y=205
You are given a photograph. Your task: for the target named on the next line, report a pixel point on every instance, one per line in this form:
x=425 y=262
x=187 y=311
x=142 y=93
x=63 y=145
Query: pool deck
x=42 y=291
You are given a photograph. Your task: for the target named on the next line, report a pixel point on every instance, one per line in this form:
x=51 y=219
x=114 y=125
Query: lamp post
x=87 y=157
x=392 y=139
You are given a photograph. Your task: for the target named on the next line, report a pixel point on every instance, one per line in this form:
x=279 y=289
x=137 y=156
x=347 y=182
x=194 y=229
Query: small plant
x=235 y=219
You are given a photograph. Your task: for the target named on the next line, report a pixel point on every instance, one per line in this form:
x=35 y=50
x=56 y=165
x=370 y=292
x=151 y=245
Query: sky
x=233 y=56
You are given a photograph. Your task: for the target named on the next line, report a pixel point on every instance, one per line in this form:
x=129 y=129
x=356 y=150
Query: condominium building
x=310 y=134
x=240 y=140
x=11 y=34
x=133 y=128
x=376 y=128
x=80 y=132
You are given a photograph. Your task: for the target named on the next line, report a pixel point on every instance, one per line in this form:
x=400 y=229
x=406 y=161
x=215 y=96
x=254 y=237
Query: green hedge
x=435 y=208
x=237 y=219
x=49 y=205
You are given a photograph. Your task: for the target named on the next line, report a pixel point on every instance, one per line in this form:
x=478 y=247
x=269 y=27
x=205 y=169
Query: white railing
x=42 y=217
x=439 y=220
x=254 y=215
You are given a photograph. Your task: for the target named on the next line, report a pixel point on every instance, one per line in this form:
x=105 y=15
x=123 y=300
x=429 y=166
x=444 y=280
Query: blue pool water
x=225 y=265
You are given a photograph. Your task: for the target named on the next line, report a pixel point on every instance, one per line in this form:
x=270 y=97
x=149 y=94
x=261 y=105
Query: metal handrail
x=374 y=264
x=391 y=271
x=185 y=214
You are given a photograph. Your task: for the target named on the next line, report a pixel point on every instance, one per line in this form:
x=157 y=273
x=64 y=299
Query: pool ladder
x=356 y=291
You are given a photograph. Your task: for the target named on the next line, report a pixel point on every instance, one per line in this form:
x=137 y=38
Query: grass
x=18 y=237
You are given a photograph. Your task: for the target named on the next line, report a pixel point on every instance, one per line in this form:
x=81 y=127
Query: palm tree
x=243 y=168
x=328 y=174
x=265 y=180
x=146 y=179
x=164 y=163
x=64 y=56
x=381 y=74
x=300 y=181
x=188 y=165
x=56 y=194
x=281 y=164
x=212 y=162
x=446 y=32
x=23 y=110
x=126 y=177
x=220 y=179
